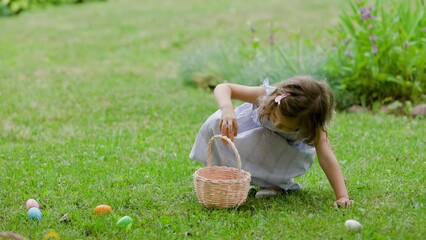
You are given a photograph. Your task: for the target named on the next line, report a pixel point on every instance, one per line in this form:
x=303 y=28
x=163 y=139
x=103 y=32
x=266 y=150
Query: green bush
x=13 y=7
x=379 y=53
x=250 y=62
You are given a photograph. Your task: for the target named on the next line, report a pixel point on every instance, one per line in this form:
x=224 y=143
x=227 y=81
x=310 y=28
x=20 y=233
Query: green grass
x=92 y=112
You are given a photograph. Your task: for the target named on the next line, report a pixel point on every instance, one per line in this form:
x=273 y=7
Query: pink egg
x=32 y=203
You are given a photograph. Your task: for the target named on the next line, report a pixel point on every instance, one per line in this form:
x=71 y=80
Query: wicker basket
x=219 y=186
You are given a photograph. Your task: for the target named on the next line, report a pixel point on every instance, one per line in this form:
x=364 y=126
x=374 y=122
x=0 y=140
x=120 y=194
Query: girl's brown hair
x=310 y=101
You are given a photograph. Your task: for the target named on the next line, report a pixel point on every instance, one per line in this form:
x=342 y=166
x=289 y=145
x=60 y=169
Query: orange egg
x=228 y=134
x=102 y=209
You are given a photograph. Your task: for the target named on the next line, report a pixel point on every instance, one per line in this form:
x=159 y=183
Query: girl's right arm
x=224 y=93
x=331 y=168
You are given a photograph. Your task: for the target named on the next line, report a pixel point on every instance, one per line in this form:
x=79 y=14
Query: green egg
x=125 y=222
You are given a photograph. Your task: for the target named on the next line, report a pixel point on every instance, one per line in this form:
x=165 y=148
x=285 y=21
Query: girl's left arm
x=331 y=168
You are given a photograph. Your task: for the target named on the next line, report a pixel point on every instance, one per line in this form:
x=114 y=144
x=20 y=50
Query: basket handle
x=237 y=155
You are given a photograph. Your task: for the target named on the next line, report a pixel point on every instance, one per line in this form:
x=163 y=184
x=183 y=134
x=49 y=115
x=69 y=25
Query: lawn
x=92 y=111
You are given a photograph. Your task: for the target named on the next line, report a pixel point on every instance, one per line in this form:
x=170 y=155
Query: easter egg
x=32 y=203
x=353 y=225
x=51 y=235
x=34 y=213
x=102 y=209
x=125 y=222
x=229 y=134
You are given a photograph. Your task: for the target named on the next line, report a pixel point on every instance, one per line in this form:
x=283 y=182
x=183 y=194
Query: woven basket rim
x=244 y=175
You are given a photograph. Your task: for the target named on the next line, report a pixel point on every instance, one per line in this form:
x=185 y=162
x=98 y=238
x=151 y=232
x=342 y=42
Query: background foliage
x=13 y=7
x=380 y=53
x=250 y=60
x=374 y=55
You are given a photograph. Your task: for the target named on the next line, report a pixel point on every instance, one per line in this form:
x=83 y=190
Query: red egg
x=32 y=203
x=102 y=209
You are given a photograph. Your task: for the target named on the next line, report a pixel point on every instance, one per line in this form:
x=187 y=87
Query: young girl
x=277 y=133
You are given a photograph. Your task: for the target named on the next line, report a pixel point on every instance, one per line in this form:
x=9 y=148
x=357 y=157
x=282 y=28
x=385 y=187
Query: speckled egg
x=32 y=203
x=34 y=213
x=102 y=209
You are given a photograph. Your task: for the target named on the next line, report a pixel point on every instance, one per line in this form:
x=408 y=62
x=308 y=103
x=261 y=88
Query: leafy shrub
x=13 y=7
x=249 y=62
x=207 y=65
x=380 y=53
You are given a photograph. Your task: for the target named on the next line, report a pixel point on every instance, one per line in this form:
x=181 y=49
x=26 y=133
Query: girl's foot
x=266 y=192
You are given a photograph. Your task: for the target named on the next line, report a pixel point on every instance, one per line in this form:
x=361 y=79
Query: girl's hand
x=228 y=125
x=343 y=202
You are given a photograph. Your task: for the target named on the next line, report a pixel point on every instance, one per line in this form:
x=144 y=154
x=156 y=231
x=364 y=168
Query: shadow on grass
x=308 y=199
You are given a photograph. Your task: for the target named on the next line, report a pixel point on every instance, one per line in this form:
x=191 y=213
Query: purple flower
x=348 y=53
x=374 y=49
x=406 y=44
x=373 y=38
x=424 y=29
x=365 y=13
x=371 y=26
x=347 y=40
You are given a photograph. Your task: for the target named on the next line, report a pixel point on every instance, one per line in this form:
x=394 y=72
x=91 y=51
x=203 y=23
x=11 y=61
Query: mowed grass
x=92 y=112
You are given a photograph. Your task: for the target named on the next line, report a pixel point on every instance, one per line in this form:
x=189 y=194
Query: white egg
x=353 y=225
